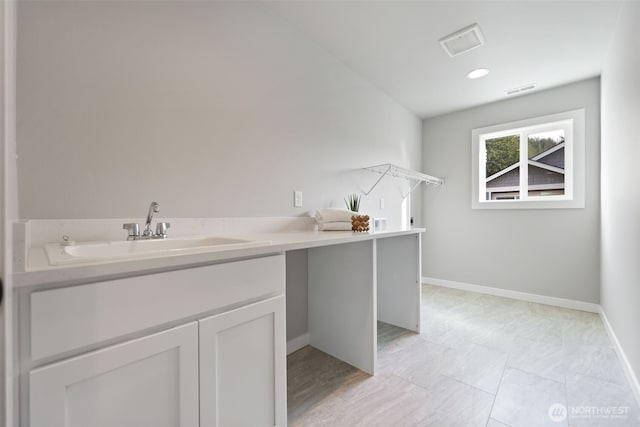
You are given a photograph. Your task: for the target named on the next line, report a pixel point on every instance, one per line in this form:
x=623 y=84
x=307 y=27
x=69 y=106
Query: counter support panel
x=342 y=302
x=398 y=282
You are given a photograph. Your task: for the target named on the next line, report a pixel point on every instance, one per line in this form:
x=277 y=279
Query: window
x=535 y=163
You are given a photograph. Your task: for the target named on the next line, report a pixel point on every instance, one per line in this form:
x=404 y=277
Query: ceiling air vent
x=520 y=89
x=463 y=40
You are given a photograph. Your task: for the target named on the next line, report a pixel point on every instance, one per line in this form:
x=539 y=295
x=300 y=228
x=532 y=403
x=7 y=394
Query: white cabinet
x=226 y=367
x=243 y=366
x=151 y=381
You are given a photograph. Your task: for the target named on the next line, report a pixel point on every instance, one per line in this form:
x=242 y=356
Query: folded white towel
x=334 y=215
x=335 y=226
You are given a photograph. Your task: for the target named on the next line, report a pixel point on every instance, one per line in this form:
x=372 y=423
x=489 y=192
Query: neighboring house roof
x=503 y=171
x=549 y=151
x=534 y=161
x=545 y=166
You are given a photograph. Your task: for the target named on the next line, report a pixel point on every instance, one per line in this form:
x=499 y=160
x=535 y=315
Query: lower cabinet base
x=224 y=370
x=228 y=369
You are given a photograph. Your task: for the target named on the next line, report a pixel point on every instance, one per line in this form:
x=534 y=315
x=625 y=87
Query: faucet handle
x=133 y=229
x=161 y=228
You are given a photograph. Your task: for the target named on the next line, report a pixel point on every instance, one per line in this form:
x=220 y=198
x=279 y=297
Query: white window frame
x=573 y=124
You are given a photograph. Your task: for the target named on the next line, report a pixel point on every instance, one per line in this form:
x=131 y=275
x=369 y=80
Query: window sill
x=528 y=204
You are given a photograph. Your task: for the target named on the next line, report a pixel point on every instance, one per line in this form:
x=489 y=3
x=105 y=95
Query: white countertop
x=41 y=274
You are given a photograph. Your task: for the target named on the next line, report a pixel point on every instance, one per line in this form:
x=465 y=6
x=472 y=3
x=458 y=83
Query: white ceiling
x=394 y=45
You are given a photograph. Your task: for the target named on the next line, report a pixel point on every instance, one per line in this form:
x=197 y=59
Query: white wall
x=552 y=252
x=212 y=109
x=620 y=293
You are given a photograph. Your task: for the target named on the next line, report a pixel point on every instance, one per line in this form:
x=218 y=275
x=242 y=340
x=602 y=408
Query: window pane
x=502 y=169
x=546 y=163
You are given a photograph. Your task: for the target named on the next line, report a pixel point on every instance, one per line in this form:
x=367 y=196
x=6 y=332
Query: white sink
x=83 y=252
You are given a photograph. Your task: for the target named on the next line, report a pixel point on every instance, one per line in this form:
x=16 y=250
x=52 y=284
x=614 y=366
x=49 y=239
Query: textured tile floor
x=480 y=361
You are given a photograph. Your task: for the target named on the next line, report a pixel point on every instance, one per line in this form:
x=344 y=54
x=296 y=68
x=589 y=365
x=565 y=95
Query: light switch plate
x=297 y=199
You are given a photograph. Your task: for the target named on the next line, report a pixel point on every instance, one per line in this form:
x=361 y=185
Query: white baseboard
x=506 y=293
x=297 y=343
x=558 y=302
x=624 y=361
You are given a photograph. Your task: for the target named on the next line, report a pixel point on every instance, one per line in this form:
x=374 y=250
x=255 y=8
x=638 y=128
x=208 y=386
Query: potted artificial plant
x=358 y=222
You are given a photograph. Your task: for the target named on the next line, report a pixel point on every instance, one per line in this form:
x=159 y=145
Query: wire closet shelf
x=388 y=169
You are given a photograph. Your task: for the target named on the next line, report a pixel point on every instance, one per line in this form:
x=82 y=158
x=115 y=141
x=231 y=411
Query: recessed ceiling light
x=477 y=73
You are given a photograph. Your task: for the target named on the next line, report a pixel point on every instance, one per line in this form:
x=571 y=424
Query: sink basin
x=111 y=250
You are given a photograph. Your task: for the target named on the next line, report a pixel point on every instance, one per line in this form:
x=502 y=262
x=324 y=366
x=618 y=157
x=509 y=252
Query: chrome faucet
x=161 y=227
x=153 y=208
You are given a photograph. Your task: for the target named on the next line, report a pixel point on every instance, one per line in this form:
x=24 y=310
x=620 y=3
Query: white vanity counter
x=40 y=273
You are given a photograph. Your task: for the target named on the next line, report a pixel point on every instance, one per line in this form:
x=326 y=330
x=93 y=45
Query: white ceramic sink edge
x=87 y=252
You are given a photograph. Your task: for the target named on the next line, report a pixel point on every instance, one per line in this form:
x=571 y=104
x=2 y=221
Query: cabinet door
x=151 y=381
x=243 y=379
